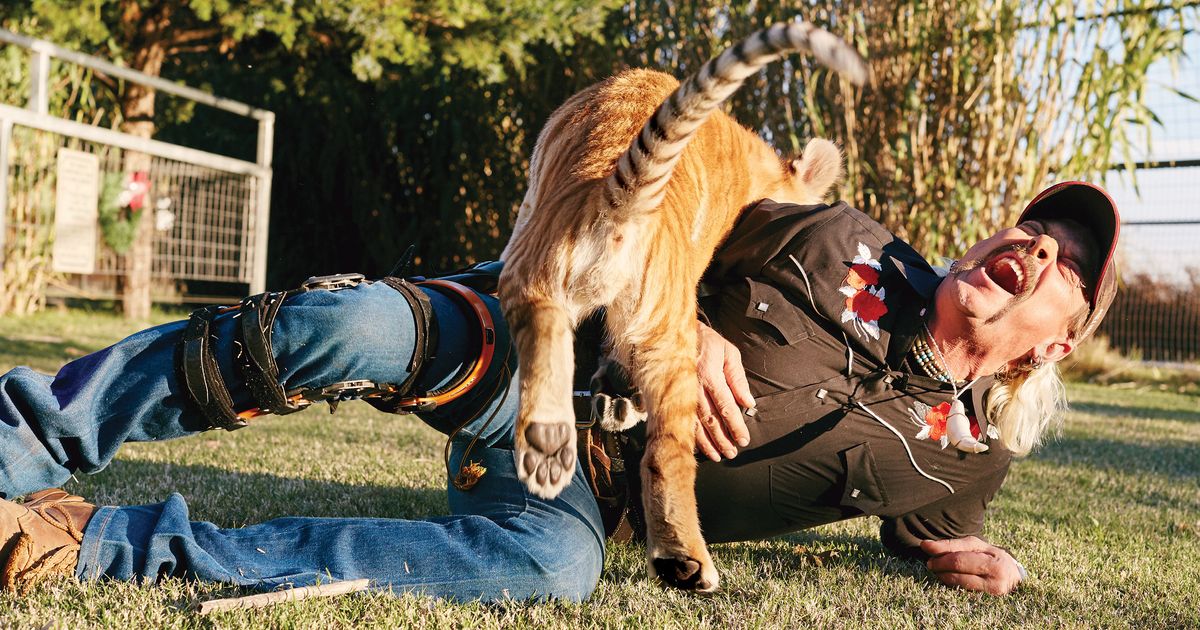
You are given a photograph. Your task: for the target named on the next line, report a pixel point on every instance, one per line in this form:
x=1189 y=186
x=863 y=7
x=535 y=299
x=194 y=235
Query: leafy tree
x=974 y=107
x=473 y=42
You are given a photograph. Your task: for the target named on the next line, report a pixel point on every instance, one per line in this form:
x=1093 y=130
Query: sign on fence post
x=75 y=213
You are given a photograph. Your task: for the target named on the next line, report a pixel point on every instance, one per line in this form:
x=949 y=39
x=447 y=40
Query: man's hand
x=972 y=564
x=724 y=393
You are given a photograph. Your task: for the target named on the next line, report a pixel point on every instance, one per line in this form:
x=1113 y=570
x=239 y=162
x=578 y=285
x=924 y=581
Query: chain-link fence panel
x=204 y=221
x=1156 y=315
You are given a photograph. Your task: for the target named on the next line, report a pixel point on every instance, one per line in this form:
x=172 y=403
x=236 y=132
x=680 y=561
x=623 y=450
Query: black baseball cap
x=1090 y=206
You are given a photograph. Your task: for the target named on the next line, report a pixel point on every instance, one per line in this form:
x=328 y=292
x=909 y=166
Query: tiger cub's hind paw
x=686 y=574
x=546 y=457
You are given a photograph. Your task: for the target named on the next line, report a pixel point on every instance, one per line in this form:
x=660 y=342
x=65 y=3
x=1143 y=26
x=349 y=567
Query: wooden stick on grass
x=290 y=595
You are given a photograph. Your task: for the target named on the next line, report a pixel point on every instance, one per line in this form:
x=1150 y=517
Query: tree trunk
x=135 y=291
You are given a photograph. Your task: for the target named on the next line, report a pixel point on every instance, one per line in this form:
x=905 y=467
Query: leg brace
x=197 y=366
x=482 y=338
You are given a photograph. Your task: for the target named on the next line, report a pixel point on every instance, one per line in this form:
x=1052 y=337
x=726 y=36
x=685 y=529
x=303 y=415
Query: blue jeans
x=500 y=541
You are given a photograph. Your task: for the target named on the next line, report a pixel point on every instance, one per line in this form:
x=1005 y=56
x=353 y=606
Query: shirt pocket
x=863 y=489
x=769 y=305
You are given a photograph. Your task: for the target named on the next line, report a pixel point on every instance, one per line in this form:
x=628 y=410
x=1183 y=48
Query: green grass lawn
x=1106 y=518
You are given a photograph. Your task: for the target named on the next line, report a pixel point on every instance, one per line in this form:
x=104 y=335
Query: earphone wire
x=944 y=364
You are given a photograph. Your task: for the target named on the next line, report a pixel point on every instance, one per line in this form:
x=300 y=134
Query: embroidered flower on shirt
x=868 y=306
x=862 y=275
x=864 y=301
x=932 y=421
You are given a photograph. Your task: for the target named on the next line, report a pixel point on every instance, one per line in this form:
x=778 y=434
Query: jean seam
x=580 y=560
x=92 y=553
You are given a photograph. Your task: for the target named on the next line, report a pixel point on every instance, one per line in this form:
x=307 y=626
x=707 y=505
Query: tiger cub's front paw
x=545 y=455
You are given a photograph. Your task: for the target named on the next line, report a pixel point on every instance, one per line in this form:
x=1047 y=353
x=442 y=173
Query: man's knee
x=366 y=332
x=576 y=579
x=335 y=337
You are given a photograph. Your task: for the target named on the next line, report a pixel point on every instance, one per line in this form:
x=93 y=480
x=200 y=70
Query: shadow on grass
x=20 y=351
x=1178 y=461
x=235 y=499
x=825 y=551
x=1155 y=413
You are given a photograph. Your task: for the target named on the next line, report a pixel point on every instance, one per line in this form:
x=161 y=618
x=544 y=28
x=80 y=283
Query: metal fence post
x=262 y=204
x=39 y=81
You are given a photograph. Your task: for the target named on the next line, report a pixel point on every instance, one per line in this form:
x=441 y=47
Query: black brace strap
x=426 y=328
x=198 y=368
x=485 y=338
x=483 y=277
x=254 y=357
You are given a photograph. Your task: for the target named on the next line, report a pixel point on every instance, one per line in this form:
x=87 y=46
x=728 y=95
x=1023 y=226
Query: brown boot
x=40 y=538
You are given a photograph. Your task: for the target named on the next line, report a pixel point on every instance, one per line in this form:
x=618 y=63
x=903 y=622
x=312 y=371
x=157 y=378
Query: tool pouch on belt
x=600 y=451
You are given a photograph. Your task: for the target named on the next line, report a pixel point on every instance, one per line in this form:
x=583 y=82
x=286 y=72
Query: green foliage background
x=411 y=121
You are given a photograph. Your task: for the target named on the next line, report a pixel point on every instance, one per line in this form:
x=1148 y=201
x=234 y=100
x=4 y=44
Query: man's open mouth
x=1008 y=274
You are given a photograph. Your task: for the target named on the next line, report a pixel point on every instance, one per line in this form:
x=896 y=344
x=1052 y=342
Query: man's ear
x=1058 y=350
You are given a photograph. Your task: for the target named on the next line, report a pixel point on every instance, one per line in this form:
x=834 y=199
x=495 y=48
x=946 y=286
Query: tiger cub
x=633 y=183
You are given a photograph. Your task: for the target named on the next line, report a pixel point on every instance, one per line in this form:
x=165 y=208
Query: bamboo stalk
x=260 y=600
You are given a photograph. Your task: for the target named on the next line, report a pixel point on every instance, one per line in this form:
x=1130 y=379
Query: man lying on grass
x=873 y=386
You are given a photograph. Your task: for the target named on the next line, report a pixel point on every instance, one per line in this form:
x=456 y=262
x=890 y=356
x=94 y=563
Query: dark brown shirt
x=824 y=304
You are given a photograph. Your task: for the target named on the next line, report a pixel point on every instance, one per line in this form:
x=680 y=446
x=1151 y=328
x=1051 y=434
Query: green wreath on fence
x=122 y=199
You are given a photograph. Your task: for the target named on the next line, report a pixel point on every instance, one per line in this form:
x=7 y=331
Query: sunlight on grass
x=1106 y=518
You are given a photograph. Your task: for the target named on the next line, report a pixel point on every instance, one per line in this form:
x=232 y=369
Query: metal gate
x=211 y=212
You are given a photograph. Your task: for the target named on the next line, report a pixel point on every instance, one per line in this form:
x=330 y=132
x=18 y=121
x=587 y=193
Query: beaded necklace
x=929 y=359
x=938 y=365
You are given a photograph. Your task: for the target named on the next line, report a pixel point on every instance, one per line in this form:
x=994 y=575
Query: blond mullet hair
x=1026 y=406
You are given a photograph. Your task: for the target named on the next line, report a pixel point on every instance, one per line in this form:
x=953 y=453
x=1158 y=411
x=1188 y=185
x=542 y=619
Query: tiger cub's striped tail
x=639 y=182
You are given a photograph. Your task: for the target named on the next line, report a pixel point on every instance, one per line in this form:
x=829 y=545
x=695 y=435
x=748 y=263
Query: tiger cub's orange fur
x=628 y=224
